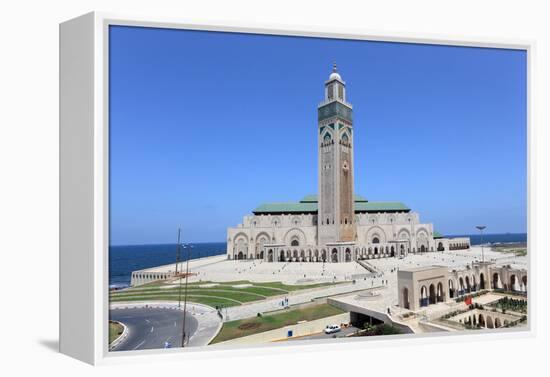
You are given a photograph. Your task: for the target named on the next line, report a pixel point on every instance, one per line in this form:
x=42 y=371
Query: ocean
x=125 y=259
x=475 y=239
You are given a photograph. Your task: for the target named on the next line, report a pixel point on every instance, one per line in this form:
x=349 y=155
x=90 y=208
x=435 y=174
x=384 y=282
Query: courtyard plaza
x=220 y=269
x=352 y=279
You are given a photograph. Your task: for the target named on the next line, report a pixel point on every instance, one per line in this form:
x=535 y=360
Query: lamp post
x=178 y=258
x=188 y=247
x=480 y=228
x=178 y=251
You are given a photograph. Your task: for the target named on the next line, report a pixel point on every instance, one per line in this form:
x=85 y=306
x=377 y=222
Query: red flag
x=468 y=300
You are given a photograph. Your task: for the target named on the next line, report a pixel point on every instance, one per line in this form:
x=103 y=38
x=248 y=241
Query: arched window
x=345 y=139
x=327 y=138
x=375 y=240
x=294 y=243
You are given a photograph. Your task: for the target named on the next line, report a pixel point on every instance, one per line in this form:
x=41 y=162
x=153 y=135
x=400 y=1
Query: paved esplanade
x=150 y=327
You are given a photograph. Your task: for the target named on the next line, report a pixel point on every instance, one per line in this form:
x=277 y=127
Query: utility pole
x=185 y=297
x=178 y=257
x=480 y=228
x=178 y=250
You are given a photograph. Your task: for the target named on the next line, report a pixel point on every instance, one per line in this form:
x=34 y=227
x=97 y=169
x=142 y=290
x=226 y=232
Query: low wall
x=406 y=329
x=301 y=329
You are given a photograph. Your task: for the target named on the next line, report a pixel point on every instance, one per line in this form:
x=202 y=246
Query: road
x=322 y=335
x=150 y=328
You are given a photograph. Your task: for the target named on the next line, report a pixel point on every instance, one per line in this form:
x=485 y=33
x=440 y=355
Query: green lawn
x=210 y=301
x=115 y=330
x=244 y=327
x=222 y=294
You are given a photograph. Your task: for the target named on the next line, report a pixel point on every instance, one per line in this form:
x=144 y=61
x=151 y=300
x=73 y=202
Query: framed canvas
x=228 y=187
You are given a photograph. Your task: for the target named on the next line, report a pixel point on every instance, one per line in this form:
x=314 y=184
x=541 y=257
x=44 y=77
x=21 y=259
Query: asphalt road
x=322 y=335
x=150 y=328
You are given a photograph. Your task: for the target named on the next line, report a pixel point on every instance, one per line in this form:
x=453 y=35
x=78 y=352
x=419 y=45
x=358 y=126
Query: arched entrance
x=240 y=255
x=513 y=283
x=392 y=251
x=262 y=254
x=496 y=281
x=282 y=256
x=451 y=289
x=468 y=286
x=270 y=255
x=440 y=247
x=334 y=256
x=481 y=281
x=440 y=297
x=422 y=249
x=481 y=321
x=432 y=294
x=423 y=296
x=524 y=281
x=348 y=255
x=461 y=286
x=324 y=255
x=406 y=304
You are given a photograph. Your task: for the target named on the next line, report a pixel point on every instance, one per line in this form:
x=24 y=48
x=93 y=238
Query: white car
x=331 y=329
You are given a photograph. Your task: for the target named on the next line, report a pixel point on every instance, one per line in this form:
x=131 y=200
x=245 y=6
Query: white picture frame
x=84 y=183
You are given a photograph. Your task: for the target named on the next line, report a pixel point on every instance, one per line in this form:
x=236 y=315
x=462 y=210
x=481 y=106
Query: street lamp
x=480 y=228
x=188 y=247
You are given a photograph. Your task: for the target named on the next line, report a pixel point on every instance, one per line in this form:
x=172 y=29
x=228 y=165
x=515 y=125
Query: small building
x=422 y=286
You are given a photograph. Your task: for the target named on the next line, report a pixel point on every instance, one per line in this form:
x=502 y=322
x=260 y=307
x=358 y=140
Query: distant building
x=419 y=287
x=336 y=226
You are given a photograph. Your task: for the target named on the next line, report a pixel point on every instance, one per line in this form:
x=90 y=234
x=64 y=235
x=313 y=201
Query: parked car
x=331 y=329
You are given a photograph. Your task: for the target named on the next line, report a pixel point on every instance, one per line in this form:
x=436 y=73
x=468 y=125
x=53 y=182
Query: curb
x=122 y=336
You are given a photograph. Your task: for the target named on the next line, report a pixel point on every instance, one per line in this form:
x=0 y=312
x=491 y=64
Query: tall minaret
x=336 y=216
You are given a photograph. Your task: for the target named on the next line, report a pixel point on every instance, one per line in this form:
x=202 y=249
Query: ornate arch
x=326 y=136
x=296 y=221
x=238 y=235
x=422 y=229
x=404 y=231
x=375 y=231
x=295 y=233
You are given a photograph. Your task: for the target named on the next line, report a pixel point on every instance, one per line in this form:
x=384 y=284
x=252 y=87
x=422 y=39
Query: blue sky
x=204 y=127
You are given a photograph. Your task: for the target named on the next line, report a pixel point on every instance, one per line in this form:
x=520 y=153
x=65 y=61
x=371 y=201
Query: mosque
x=336 y=225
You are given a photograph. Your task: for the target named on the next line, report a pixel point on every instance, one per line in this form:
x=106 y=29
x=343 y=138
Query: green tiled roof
x=308 y=204
x=312 y=198
x=438 y=235
x=380 y=207
x=291 y=207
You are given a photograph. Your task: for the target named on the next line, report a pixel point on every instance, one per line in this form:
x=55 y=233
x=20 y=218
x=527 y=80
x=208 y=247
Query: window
x=345 y=139
x=330 y=91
